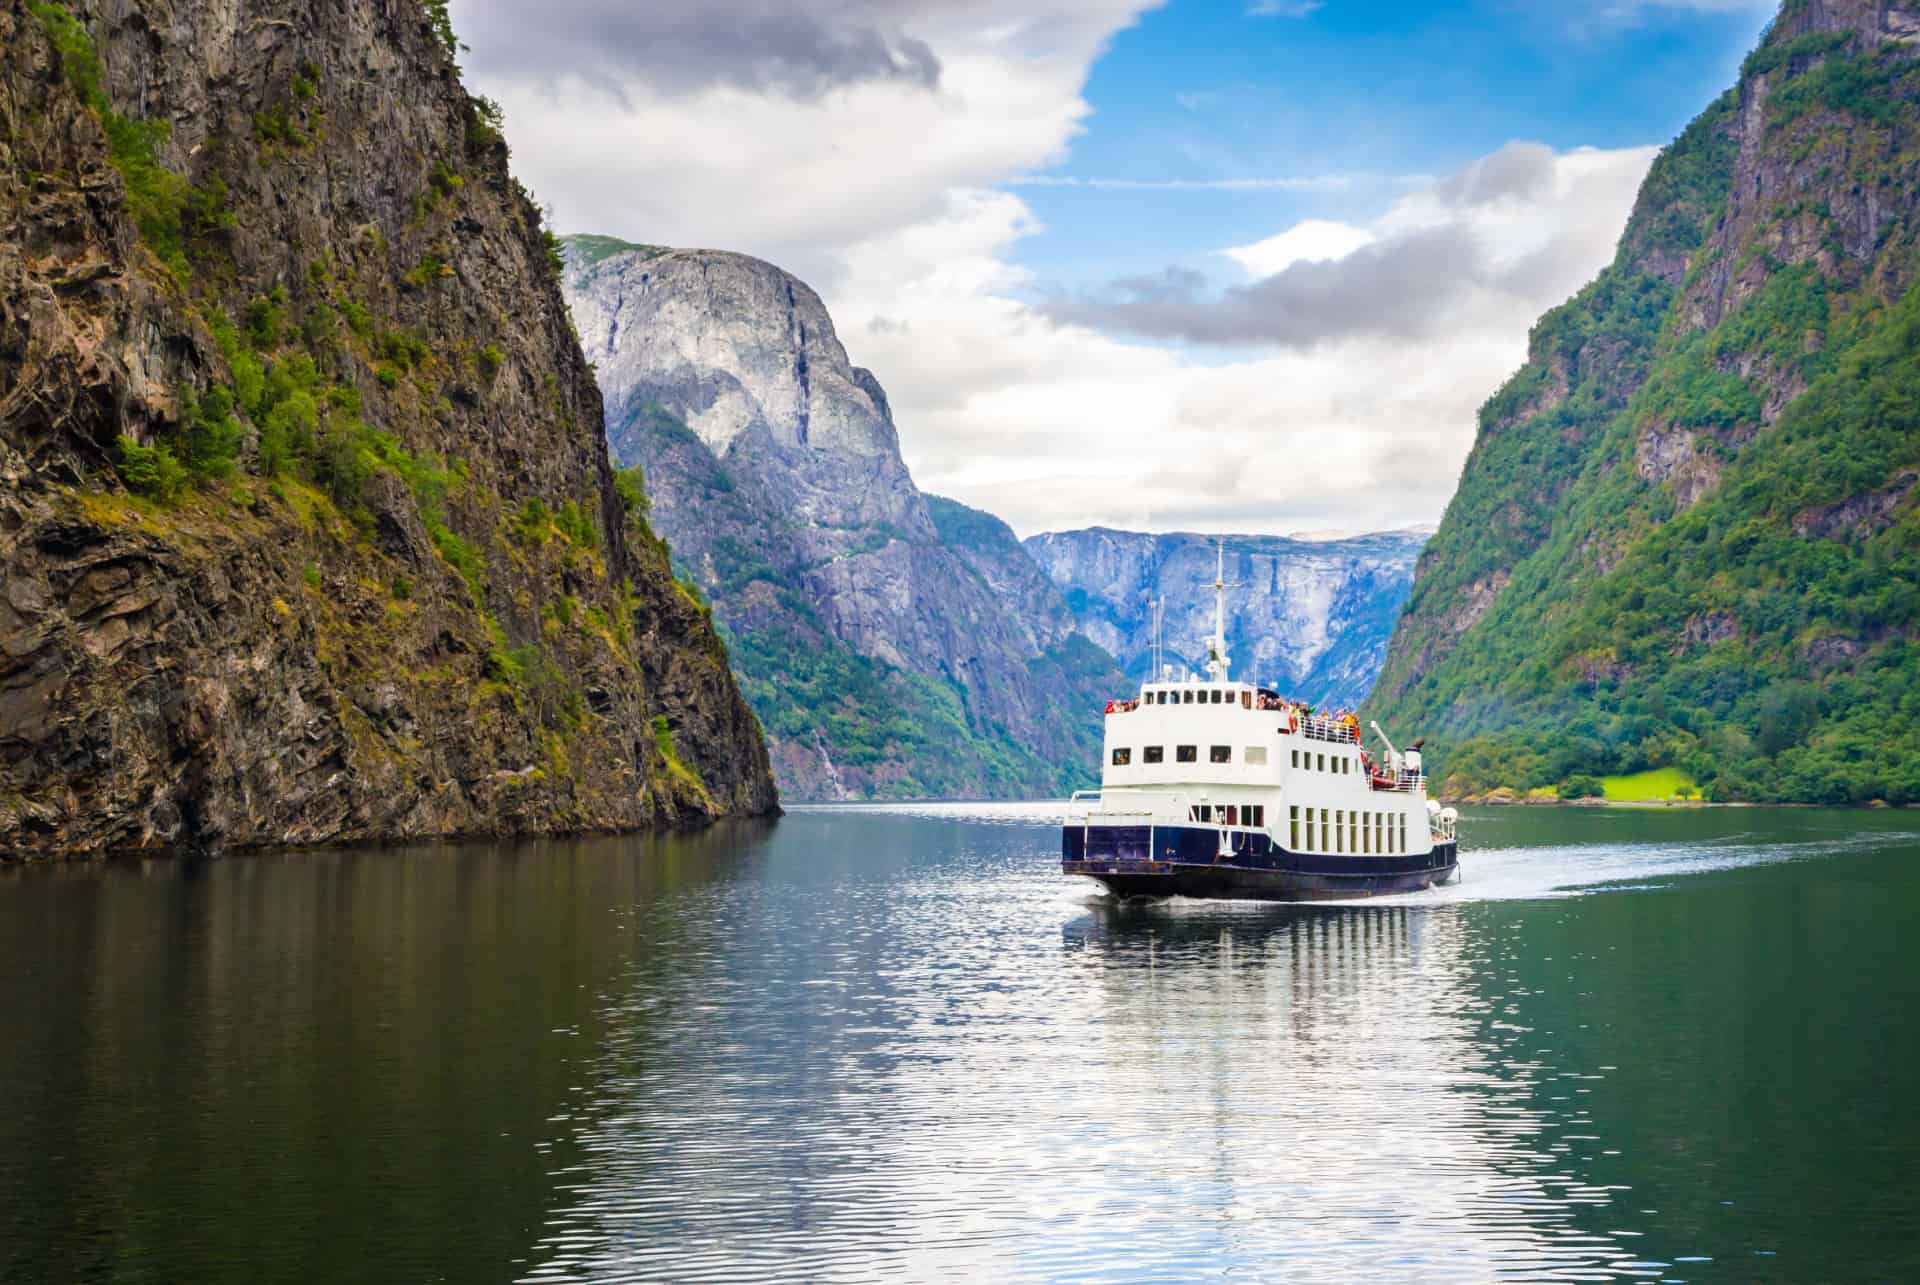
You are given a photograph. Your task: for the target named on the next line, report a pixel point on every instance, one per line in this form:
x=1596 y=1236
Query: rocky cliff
x=309 y=532
x=1312 y=616
x=880 y=635
x=1686 y=535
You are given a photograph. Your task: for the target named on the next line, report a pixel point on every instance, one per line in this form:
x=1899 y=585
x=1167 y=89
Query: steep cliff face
x=1312 y=617
x=309 y=532
x=1686 y=534
x=884 y=660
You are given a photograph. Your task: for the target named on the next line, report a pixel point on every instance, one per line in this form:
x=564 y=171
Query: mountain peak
x=726 y=343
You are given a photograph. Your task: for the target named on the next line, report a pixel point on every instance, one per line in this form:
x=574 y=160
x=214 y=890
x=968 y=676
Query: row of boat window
x=1254 y=814
x=1346 y=833
x=1252 y=755
x=1206 y=696
x=1314 y=761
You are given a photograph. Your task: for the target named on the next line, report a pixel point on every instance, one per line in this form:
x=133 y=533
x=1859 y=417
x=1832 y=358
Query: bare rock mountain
x=1311 y=616
x=873 y=628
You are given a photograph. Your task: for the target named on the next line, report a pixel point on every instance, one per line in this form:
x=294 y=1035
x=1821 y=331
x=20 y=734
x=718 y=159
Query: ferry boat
x=1213 y=788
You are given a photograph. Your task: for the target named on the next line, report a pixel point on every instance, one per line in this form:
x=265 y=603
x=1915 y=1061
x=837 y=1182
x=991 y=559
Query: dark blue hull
x=1186 y=861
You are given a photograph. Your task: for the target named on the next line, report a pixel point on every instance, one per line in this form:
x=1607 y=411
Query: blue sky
x=1367 y=90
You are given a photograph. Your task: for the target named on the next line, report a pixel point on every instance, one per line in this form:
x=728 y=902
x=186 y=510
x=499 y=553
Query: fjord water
x=879 y=1044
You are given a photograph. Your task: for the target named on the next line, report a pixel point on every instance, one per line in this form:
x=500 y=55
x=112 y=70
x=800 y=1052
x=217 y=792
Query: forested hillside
x=1686 y=536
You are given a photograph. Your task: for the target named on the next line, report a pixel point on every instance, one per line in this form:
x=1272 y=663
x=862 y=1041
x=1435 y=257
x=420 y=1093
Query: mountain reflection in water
x=894 y=1043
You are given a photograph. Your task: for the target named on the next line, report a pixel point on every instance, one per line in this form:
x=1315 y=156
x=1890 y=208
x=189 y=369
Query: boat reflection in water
x=1340 y=1093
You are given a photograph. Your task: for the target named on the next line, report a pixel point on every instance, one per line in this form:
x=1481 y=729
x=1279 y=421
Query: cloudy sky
x=1233 y=265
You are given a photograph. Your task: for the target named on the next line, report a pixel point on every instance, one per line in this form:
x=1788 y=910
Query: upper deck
x=1200 y=733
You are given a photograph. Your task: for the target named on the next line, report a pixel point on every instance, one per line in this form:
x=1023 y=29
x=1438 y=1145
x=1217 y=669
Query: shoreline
x=1483 y=801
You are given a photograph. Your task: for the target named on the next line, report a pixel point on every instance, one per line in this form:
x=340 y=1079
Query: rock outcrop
x=308 y=532
x=893 y=646
x=1310 y=616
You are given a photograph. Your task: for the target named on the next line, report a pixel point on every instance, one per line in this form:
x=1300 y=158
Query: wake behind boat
x=1211 y=788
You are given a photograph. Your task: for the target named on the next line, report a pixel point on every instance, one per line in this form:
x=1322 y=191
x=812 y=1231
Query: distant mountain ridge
x=1311 y=615
x=1688 y=535
x=892 y=644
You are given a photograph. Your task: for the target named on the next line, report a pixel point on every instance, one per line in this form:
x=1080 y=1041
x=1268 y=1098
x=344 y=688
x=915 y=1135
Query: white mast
x=1158 y=605
x=1217 y=645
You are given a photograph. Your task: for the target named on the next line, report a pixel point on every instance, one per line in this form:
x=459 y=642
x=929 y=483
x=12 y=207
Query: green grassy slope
x=1686 y=537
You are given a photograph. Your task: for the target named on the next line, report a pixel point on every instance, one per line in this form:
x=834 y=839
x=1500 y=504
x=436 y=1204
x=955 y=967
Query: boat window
x=1257 y=814
x=1296 y=758
x=1153 y=754
x=1326 y=831
x=1323 y=762
x=1293 y=826
x=1403 y=832
x=1186 y=753
x=1255 y=755
x=1246 y=700
x=1310 y=845
x=1220 y=754
x=1122 y=757
x=1186 y=698
x=1206 y=811
x=1233 y=814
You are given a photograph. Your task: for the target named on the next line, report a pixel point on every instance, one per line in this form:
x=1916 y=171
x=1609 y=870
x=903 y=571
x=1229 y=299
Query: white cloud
x=1284 y=8
x=891 y=195
x=1281 y=183
x=1309 y=241
x=1055 y=425
x=797 y=176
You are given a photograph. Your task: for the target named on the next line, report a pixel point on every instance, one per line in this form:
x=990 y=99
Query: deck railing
x=1317 y=728
x=1405 y=783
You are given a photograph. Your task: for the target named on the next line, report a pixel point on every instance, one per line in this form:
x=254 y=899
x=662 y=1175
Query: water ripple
x=963 y=1070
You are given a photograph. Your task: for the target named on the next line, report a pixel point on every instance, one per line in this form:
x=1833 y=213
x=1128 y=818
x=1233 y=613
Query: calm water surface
x=873 y=1044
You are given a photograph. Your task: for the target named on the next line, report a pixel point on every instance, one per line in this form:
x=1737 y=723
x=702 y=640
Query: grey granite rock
x=1311 y=616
